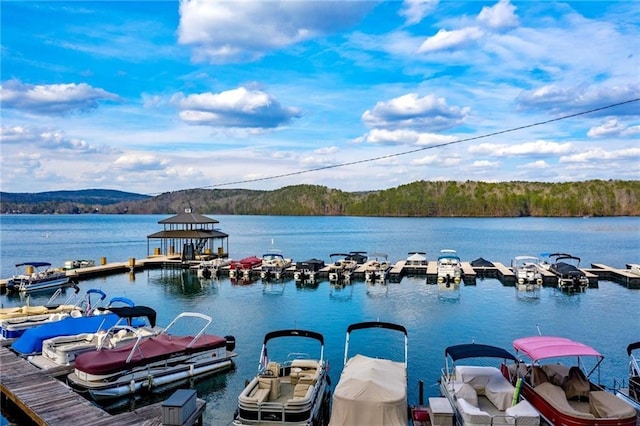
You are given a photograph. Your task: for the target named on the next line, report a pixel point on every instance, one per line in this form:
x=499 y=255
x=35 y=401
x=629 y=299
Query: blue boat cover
x=31 y=340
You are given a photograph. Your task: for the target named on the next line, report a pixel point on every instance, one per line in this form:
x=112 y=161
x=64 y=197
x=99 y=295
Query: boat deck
x=31 y=390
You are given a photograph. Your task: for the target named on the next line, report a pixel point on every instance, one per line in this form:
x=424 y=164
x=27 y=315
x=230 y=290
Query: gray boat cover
x=371 y=391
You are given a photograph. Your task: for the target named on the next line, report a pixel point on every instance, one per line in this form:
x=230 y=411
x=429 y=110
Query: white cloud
x=141 y=163
x=413 y=111
x=612 y=128
x=485 y=164
x=537 y=148
x=221 y=32
x=239 y=107
x=437 y=160
x=405 y=137
x=500 y=16
x=52 y=99
x=601 y=155
x=535 y=165
x=414 y=10
x=450 y=39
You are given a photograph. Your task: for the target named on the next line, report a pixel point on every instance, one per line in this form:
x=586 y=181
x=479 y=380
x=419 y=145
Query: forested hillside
x=418 y=199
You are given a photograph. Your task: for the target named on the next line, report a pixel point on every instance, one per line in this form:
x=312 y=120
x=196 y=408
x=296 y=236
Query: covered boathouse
x=192 y=233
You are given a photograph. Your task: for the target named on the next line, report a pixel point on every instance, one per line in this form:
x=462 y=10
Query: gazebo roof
x=188 y=217
x=189 y=234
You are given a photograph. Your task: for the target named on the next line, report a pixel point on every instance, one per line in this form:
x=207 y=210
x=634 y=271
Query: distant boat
x=273 y=265
x=36 y=279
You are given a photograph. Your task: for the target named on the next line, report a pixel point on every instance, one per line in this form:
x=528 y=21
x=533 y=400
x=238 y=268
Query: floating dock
x=31 y=390
x=630 y=277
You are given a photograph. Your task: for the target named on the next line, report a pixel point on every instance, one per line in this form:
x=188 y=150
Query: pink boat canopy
x=542 y=347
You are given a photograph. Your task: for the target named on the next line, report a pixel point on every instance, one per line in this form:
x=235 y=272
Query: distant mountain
x=88 y=197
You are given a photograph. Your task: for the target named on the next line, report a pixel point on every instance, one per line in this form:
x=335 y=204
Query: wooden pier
x=48 y=401
x=627 y=277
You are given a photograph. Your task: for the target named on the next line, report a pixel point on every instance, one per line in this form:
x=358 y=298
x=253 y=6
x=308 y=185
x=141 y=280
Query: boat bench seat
x=305 y=371
x=606 y=405
x=301 y=395
x=555 y=396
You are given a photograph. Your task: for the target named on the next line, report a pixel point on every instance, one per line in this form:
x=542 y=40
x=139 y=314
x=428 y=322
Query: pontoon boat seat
x=555 y=396
x=473 y=415
x=272 y=384
x=467 y=392
x=500 y=392
x=524 y=413
x=538 y=376
x=274 y=368
x=304 y=371
x=576 y=384
x=556 y=373
x=478 y=377
x=606 y=405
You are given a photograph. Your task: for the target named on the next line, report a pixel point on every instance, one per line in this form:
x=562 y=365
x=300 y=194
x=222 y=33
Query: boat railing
x=204 y=317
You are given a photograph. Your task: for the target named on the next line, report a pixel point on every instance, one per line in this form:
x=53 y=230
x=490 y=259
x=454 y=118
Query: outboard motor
x=231 y=343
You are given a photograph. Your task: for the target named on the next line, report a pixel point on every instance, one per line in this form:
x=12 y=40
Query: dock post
x=103 y=261
x=132 y=263
x=420 y=393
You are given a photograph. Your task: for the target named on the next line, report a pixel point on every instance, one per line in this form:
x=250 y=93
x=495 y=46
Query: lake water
x=488 y=312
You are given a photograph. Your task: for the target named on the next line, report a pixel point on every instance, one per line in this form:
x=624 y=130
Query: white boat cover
x=371 y=391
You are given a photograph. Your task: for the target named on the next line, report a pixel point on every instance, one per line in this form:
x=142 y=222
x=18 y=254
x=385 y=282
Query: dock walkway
x=48 y=401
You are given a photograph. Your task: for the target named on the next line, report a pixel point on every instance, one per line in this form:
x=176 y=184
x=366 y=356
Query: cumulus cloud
x=413 y=111
x=222 y=32
x=559 y=99
x=404 y=137
x=52 y=99
x=500 y=16
x=414 y=10
x=535 y=165
x=437 y=161
x=537 y=148
x=46 y=139
x=599 y=155
x=613 y=128
x=141 y=162
x=450 y=39
x=237 y=108
x=485 y=164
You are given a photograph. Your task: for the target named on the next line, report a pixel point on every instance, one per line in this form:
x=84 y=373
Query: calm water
x=488 y=312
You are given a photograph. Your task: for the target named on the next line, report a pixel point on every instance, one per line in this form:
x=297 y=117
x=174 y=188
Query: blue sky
x=151 y=97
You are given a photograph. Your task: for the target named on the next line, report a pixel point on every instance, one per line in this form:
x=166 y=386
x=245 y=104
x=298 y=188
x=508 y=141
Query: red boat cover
x=162 y=346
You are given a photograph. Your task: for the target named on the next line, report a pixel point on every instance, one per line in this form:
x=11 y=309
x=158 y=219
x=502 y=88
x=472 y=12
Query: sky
x=152 y=97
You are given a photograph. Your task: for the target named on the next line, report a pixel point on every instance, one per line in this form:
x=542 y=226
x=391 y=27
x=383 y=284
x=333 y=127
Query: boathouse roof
x=188 y=217
x=189 y=234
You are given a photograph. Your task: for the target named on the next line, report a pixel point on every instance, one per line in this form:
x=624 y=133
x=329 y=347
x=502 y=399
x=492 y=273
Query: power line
x=413 y=151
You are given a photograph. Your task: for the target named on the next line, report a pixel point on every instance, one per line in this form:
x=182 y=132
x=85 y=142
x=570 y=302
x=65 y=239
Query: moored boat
x=371 y=391
x=63 y=350
x=290 y=391
x=152 y=363
x=50 y=307
x=449 y=270
x=308 y=269
x=377 y=267
x=38 y=276
x=212 y=268
x=241 y=269
x=567 y=268
x=480 y=394
x=342 y=267
x=563 y=393
x=527 y=271
x=273 y=265
x=416 y=259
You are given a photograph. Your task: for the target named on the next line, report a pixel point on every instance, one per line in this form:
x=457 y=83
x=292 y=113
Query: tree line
x=417 y=199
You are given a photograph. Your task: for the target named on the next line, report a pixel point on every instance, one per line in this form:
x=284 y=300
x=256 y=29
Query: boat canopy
x=542 y=347
x=632 y=347
x=130 y=312
x=294 y=333
x=417 y=256
x=475 y=350
x=481 y=262
x=34 y=264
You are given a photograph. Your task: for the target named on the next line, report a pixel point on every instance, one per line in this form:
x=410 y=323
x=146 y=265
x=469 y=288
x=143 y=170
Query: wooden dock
x=597 y=271
x=48 y=401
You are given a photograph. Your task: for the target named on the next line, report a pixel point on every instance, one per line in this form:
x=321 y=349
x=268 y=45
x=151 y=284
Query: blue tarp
x=31 y=340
